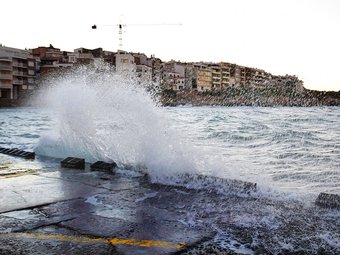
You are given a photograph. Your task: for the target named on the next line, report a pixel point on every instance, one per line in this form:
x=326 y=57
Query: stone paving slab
x=87 y=204
x=36 y=190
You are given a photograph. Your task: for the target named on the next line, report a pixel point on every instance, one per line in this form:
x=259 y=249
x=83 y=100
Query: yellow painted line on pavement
x=146 y=243
x=113 y=241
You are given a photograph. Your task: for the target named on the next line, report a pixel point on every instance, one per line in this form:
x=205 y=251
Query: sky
x=296 y=37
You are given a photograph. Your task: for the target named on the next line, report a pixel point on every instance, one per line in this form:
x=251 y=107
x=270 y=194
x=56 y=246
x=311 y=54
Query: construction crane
x=120 y=29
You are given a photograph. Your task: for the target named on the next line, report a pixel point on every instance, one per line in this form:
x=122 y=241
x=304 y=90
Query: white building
x=72 y=57
x=125 y=63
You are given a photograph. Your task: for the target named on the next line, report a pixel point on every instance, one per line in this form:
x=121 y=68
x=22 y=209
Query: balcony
x=6 y=68
x=18 y=73
x=16 y=64
x=5 y=59
x=6 y=77
x=18 y=82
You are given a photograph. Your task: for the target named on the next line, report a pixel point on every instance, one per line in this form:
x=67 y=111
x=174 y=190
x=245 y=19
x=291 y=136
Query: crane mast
x=120 y=29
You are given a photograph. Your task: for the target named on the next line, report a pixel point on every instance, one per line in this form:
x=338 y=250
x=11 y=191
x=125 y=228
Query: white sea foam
x=101 y=115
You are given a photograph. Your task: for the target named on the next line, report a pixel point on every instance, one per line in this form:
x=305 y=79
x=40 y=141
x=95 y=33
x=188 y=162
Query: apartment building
x=144 y=69
x=17 y=72
x=52 y=59
x=88 y=56
x=125 y=62
x=18 y=69
x=216 y=74
x=136 y=64
x=173 y=75
x=144 y=73
x=203 y=75
x=222 y=75
x=225 y=75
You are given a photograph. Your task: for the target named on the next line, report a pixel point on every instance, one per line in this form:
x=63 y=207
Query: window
x=5 y=93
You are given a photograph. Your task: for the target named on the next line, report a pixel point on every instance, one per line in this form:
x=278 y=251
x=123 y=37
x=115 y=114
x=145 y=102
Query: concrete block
x=27 y=155
x=18 y=153
x=76 y=163
x=12 y=151
x=5 y=150
x=328 y=201
x=103 y=166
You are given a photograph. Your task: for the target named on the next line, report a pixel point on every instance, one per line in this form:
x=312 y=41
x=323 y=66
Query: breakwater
x=252 y=97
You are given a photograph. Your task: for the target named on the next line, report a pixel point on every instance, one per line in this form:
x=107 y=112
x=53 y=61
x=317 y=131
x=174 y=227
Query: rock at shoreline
x=251 y=97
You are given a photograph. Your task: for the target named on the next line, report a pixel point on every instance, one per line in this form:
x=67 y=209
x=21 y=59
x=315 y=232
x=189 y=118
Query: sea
x=291 y=149
x=292 y=153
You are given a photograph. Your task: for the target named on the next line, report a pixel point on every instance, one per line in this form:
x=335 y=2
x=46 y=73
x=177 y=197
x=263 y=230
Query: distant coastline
x=246 y=96
x=22 y=72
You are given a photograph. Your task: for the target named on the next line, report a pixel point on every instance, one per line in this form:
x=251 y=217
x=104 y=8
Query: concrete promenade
x=63 y=211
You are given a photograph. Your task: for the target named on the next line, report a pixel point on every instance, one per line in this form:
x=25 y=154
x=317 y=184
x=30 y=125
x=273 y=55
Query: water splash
x=101 y=115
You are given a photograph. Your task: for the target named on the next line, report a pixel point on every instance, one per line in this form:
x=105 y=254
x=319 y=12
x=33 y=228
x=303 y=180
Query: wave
x=102 y=115
x=98 y=114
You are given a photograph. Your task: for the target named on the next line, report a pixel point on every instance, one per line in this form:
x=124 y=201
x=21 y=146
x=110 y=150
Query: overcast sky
x=298 y=37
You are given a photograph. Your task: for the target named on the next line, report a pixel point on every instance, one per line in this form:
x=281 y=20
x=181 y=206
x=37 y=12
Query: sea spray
x=99 y=114
x=102 y=115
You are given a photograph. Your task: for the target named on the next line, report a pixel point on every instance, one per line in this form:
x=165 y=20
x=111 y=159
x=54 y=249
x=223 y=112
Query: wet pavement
x=66 y=211
x=52 y=211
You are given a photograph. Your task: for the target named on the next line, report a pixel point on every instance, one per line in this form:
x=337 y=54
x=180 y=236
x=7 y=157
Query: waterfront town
x=21 y=70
